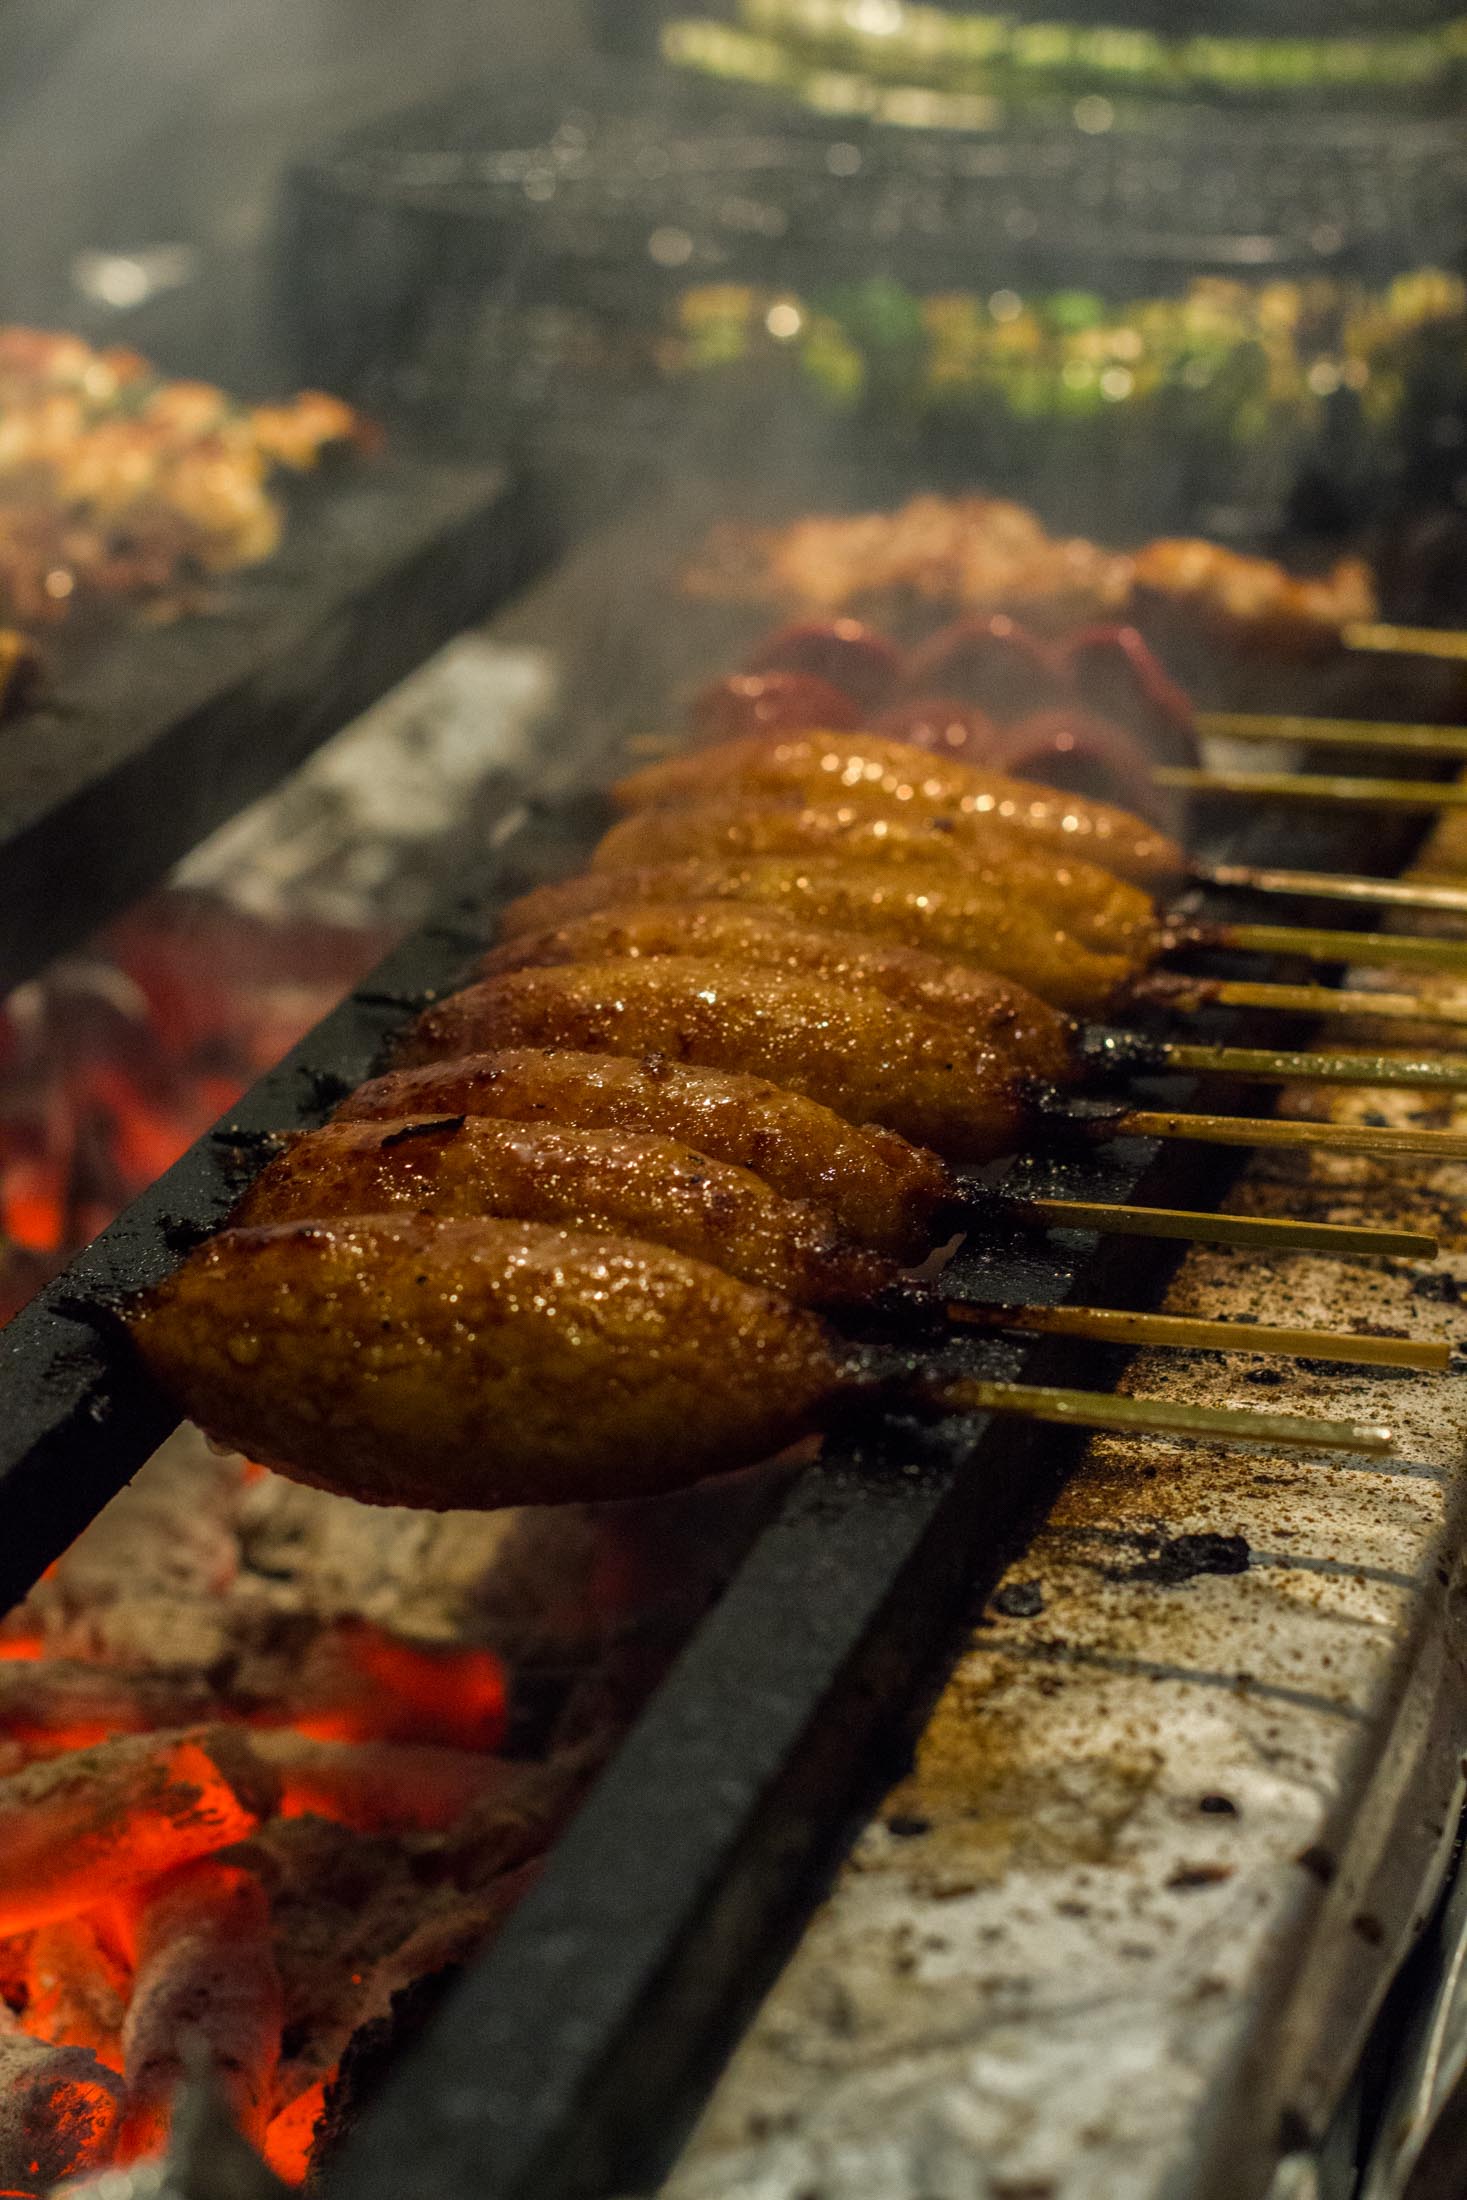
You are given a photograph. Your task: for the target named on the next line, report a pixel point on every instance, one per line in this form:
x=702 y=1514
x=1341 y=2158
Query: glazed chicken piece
x=220 y=493
x=942 y=913
x=1228 y=597
x=627 y=1184
x=866 y=768
x=879 y=1191
x=403 y=1361
x=854 y=1052
x=1030 y=1033
x=1098 y=908
x=982 y=552
x=988 y=555
x=297 y=431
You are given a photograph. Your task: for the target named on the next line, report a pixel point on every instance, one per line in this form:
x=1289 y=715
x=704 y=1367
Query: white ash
x=370 y=829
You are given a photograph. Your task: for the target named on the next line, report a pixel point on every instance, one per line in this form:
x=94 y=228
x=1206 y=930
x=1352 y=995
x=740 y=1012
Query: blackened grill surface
x=158 y=735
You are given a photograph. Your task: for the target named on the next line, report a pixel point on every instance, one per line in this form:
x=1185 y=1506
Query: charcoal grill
x=568 y=2060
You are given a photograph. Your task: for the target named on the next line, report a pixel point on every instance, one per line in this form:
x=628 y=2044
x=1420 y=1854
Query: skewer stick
x=1271 y=1131
x=1386 y=794
x=1385 y=893
x=1107 y=1325
x=1159 y=1417
x=1257 y=1065
x=1271 y=1233
x=1335 y=733
x=1387 y=949
x=1405 y=641
x=1186 y=996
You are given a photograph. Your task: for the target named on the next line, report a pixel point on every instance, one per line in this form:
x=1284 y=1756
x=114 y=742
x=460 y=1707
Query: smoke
x=171 y=121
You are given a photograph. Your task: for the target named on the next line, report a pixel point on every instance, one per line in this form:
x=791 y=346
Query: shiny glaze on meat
x=627 y=1184
x=900 y=904
x=854 y=1052
x=1103 y=911
x=818 y=767
x=475 y=1364
x=1031 y=1036
x=880 y=1191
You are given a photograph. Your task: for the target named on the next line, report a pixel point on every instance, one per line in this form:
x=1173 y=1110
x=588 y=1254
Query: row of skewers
x=625 y=1210
x=1063 y=640
x=1095 y=710
x=979 y=554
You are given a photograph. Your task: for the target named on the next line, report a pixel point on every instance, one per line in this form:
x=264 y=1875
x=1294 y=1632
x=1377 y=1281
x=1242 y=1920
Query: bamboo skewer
x=1107 y=1325
x=1268 y=1232
x=1387 y=893
x=1335 y=733
x=1405 y=641
x=1159 y=1417
x=1107 y=1055
x=1384 y=949
x=1271 y=1131
x=1257 y=1065
x=1390 y=794
x=1188 y=996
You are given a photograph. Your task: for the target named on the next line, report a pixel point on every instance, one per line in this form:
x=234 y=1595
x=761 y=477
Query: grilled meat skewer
x=946 y=911
x=1104 y=912
x=941 y=912
x=987 y=554
x=459 y=1168
x=1033 y=1038
x=855 y=1052
x=626 y=1184
x=402 y=1361
x=880 y=1191
x=866 y=768
x=987 y=1007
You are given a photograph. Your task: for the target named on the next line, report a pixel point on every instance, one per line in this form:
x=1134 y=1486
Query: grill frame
x=154 y=737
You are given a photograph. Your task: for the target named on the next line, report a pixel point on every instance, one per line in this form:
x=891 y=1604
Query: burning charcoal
x=206 y=1985
x=499 y=1833
x=77 y=1986
x=402 y=1997
x=341 y=1902
x=58 y=2113
x=75 y=1829
x=52 y=1705
x=386 y=1787
x=143 y=1587
x=358 y=1683
x=291 y=2134
x=447 y=1938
